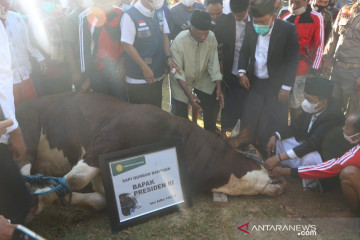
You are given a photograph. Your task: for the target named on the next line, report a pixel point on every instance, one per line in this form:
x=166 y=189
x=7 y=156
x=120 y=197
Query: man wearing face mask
x=199 y=84
x=230 y=33
x=310 y=29
x=342 y=56
x=180 y=15
x=301 y=143
x=347 y=167
x=144 y=33
x=268 y=61
x=320 y=6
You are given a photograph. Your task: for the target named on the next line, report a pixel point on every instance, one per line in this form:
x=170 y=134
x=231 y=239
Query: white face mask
x=298 y=11
x=156 y=4
x=349 y=138
x=309 y=107
x=87 y=3
x=188 y=3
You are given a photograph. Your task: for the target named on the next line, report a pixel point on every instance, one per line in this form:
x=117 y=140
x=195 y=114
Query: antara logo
x=243 y=226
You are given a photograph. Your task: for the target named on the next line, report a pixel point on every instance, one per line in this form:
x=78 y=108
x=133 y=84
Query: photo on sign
x=144 y=182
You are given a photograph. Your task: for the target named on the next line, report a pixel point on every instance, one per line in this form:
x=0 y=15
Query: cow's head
x=254 y=182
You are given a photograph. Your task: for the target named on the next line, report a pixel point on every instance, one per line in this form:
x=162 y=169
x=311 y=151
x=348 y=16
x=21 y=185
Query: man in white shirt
x=268 y=62
x=144 y=34
x=301 y=144
x=20 y=47
x=15 y=198
x=230 y=33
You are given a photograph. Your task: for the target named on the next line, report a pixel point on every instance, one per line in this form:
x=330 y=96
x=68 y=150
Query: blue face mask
x=262 y=29
x=48 y=7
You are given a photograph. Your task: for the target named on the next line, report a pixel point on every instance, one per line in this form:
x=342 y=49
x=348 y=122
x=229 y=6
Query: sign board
x=144 y=182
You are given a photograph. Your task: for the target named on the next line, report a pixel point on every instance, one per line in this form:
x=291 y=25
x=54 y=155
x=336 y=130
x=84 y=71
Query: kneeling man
x=347 y=167
x=199 y=81
x=300 y=144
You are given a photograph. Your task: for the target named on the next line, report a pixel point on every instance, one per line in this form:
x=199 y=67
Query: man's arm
x=6 y=98
x=213 y=68
x=318 y=40
x=292 y=57
x=128 y=32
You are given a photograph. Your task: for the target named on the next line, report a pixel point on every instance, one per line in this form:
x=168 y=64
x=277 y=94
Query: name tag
x=143 y=29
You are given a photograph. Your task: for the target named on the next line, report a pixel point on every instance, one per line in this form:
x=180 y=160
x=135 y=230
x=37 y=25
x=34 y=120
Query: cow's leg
x=79 y=176
x=253 y=183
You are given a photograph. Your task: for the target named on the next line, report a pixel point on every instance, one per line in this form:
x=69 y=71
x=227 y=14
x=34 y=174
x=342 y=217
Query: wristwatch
x=241 y=74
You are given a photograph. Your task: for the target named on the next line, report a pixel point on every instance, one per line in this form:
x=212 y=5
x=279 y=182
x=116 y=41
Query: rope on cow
x=57 y=184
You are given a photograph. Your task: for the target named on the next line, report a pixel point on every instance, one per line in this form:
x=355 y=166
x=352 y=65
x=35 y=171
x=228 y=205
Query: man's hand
x=220 y=97
x=121 y=69
x=43 y=66
x=271 y=162
x=277 y=172
x=5 y=124
x=193 y=102
x=283 y=95
x=244 y=82
x=17 y=145
x=357 y=84
x=148 y=74
x=6 y=228
x=86 y=86
x=270 y=148
x=172 y=66
x=327 y=65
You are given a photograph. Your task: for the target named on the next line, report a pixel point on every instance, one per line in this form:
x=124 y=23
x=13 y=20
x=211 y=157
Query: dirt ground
x=204 y=220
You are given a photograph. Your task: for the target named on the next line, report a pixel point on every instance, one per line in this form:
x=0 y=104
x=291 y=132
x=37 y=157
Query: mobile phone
x=2 y=115
x=23 y=233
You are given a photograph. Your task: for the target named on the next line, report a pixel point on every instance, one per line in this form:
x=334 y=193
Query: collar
x=319 y=113
x=194 y=40
x=144 y=10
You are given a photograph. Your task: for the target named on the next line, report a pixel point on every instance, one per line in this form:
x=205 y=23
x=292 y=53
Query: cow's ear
x=241 y=139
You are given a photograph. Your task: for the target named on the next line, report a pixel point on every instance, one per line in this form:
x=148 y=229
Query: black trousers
x=263 y=112
x=146 y=93
x=234 y=101
x=14 y=195
x=208 y=103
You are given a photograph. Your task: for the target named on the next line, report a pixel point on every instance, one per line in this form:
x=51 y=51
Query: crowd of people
x=254 y=60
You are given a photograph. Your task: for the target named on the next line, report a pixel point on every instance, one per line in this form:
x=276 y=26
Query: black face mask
x=331 y=4
x=319 y=8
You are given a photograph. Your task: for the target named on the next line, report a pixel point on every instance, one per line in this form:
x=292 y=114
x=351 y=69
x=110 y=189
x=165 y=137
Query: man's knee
x=350 y=173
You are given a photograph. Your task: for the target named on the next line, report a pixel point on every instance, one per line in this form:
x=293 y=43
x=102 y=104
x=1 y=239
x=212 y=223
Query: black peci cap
x=201 y=20
x=320 y=87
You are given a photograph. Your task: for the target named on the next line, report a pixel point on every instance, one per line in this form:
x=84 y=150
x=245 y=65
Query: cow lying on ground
x=65 y=134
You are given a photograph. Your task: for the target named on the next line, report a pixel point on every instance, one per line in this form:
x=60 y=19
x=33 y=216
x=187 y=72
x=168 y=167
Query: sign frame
x=112 y=206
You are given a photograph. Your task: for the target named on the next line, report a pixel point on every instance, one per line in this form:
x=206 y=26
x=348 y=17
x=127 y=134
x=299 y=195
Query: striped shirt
x=333 y=167
x=20 y=47
x=99 y=38
x=310 y=29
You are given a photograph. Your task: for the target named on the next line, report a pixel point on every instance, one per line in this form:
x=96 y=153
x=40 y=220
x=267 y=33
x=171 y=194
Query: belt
x=347 y=65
